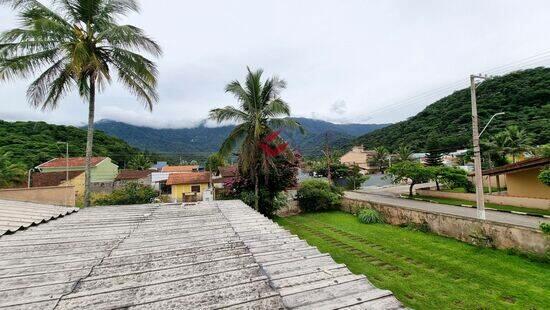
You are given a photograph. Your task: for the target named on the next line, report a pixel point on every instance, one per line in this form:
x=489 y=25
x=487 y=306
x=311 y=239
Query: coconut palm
x=380 y=158
x=260 y=111
x=79 y=43
x=140 y=162
x=517 y=141
x=404 y=153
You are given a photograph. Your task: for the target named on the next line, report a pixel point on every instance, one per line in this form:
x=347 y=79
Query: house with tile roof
x=180 y=169
x=126 y=176
x=103 y=169
x=226 y=174
x=43 y=179
x=360 y=157
x=189 y=186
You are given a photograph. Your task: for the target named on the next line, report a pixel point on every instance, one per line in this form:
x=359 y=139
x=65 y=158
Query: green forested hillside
x=32 y=143
x=523 y=95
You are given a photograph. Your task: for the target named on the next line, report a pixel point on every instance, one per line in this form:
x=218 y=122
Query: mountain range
x=203 y=140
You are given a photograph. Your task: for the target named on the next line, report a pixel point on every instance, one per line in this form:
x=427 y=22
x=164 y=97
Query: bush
x=318 y=195
x=370 y=216
x=544 y=176
x=545 y=227
x=131 y=193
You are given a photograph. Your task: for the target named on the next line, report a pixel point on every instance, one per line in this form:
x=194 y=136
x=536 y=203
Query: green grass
x=463 y=190
x=426 y=271
x=458 y=202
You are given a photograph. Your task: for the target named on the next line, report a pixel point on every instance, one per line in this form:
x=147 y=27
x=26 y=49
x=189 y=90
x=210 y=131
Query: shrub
x=544 y=176
x=370 y=216
x=318 y=195
x=131 y=193
x=545 y=227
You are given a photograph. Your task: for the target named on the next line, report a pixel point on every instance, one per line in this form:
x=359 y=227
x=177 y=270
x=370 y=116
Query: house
x=522 y=178
x=127 y=175
x=76 y=179
x=226 y=174
x=180 y=169
x=189 y=186
x=102 y=171
x=360 y=157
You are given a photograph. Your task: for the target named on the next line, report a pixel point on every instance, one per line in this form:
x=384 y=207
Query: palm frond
x=127 y=36
x=228 y=113
x=278 y=123
x=25 y=65
x=276 y=108
x=237 y=135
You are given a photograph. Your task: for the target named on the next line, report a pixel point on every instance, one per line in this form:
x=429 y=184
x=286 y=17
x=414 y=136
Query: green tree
x=404 y=153
x=318 y=195
x=413 y=171
x=542 y=150
x=544 y=176
x=81 y=44
x=517 y=141
x=193 y=162
x=355 y=178
x=140 y=162
x=10 y=173
x=380 y=158
x=261 y=110
x=214 y=162
x=451 y=177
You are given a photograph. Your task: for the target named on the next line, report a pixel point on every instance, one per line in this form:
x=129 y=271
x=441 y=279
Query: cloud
x=339 y=107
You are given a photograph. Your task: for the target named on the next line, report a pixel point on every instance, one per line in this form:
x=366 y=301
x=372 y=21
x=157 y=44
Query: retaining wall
x=543 y=204
x=499 y=235
x=53 y=195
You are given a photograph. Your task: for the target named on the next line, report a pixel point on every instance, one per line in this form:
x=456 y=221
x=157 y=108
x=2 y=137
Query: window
x=195 y=188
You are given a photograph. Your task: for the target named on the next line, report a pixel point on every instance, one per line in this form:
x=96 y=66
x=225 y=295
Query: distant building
x=159 y=165
x=180 y=169
x=360 y=157
x=187 y=187
x=102 y=171
x=522 y=178
x=76 y=179
x=126 y=175
x=226 y=174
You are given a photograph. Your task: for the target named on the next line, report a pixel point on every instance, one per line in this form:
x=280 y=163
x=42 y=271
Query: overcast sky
x=344 y=61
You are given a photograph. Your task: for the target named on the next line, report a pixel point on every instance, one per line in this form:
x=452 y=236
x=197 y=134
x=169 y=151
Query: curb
x=473 y=207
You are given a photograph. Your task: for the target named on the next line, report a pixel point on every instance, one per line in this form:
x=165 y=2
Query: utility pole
x=480 y=200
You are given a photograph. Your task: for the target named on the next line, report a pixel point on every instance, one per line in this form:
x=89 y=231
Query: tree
x=413 y=171
x=261 y=110
x=434 y=156
x=451 y=177
x=495 y=148
x=81 y=44
x=318 y=195
x=404 y=153
x=355 y=178
x=380 y=158
x=193 y=162
x=10 y=173
x=140 y=162
x=544 y=176
x=517 y=141
x=214 y=162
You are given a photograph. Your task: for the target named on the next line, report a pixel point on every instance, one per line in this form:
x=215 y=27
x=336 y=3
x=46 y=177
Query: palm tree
x=140 y=162
x=404 y=153
x=260 y=111
x=380 y=158
x=517 y=141
x=10 y=173
x=81 y=43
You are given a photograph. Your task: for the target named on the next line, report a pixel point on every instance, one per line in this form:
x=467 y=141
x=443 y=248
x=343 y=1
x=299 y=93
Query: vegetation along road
x=495 y=216
x=426 y=271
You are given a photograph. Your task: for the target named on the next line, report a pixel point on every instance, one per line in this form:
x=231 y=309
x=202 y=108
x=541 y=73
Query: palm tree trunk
x=89 y=143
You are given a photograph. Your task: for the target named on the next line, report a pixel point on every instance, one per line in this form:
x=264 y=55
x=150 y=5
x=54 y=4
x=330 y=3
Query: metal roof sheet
x=15 y=215
x=209 y=255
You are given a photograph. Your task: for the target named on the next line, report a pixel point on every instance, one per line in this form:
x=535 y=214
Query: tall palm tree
x=260 y=111
x=380 y=157
x=80 y=43
x=517 y=141
x=404 y=153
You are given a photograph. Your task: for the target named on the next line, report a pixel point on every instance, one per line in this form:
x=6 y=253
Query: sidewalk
x=495 y=216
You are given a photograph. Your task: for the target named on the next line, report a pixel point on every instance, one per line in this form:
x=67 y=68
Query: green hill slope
x=35 y=142
x=523 y=95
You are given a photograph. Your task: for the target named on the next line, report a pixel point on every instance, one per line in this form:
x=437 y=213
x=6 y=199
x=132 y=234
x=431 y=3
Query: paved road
x=392 y=190
x=495 y=216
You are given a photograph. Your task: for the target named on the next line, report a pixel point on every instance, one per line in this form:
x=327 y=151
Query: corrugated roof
x=73 y=162
x=204 y=256
x=127 y=174
x=43 y=179
x=188 y=178
x=15 y=215
x=188 y=168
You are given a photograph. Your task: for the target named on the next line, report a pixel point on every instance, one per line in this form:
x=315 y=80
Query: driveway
x=385 y=197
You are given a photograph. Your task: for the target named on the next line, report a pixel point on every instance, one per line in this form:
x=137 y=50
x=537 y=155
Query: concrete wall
x=502 y=236
x=55 y=195
x=525 y=183
x=105 y=171
x=536 y=203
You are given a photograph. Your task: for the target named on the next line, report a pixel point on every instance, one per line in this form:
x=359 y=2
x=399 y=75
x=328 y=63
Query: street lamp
x=489 y=122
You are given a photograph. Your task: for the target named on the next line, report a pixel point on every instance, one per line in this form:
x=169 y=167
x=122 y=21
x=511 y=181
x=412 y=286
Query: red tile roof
x=187 y=168
x=520 y=165
x=39 y=179
x=73 y=162
x=223 y=180
x=188 y=178
x=128 y=174
x=228 y=171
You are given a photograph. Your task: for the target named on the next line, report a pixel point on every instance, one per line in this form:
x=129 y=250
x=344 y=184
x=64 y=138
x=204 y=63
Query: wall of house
x=525 y=183
x=105 y=171
x=499 y=235
x=78 y=184
x=180 y=189
x=53 y=195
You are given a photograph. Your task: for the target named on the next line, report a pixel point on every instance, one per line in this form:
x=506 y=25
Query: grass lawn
x=463 y=190
x=458 y=202
x=426 y=271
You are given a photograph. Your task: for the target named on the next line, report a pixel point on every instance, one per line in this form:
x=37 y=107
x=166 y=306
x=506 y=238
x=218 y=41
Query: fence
x=53 y=195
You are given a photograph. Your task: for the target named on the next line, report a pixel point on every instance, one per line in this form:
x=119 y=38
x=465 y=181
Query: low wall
x=543 y=204
x=499 y=235
x=53 y=195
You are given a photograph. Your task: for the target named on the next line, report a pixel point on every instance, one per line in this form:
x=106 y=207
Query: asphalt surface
x=495 y=216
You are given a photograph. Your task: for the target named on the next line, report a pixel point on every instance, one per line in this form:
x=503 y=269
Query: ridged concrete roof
x=209 y=255
x=15 y=215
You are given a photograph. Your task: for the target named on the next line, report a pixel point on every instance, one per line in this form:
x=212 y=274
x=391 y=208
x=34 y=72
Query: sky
x=353 y=61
